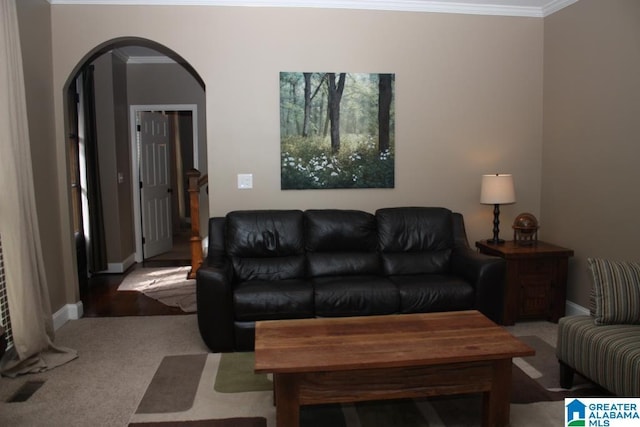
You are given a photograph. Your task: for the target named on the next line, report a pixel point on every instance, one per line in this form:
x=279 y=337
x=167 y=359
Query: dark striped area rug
x=230 y=422
x=221 y=390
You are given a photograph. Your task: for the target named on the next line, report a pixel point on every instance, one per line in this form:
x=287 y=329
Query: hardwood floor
x=100 y=296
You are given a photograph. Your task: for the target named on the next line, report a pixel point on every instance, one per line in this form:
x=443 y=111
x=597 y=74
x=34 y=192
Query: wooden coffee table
x=335 y=360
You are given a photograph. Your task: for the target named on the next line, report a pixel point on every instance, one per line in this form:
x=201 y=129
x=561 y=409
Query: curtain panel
x=27 y=291
x=96 y=247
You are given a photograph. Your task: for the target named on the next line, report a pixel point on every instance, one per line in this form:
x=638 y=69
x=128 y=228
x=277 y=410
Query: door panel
x=155 y=191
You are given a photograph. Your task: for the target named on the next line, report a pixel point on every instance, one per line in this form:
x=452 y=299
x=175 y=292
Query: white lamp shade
x=497 y=189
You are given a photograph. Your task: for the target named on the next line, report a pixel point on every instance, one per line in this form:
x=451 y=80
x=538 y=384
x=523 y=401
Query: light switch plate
x=245 y=181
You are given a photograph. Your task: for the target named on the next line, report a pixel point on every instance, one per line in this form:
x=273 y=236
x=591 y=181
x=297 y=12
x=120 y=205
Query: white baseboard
x=120 y=267
x=573 y=309
x=66 y=313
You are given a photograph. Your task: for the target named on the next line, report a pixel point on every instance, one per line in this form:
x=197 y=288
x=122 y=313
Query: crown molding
x=556 y=5
x=142 y=59
x=150 y=60
x=120 y=55
x=524 y=8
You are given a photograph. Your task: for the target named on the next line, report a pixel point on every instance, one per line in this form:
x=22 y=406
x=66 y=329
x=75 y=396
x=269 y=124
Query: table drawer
x=539 y=266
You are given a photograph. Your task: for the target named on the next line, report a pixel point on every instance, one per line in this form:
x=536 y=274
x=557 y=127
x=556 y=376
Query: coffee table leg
x=287 y=402
x=497 y=401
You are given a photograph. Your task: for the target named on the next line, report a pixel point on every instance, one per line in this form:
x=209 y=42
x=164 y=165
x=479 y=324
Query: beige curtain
x=27 y=292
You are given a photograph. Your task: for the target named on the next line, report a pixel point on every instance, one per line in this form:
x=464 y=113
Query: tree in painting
x=337 y=130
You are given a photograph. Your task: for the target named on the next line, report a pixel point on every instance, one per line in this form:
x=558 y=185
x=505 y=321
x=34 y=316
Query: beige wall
x=590 y=174
x=105 y=134
x=35 y=38
x=468 y=96
x=114 y=156
x=123 y=159
x=163 y=84
x=119 y=85
x=469 y=100
x=171 y=84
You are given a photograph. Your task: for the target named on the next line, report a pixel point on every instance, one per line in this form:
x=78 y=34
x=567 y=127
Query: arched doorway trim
x=91 y=56
x=131 y=41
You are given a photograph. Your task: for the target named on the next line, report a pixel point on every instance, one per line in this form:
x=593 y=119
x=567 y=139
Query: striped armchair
x=605 y=346
x=608 y=355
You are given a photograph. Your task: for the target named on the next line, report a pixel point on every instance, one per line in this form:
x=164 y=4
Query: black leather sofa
x=289 y=264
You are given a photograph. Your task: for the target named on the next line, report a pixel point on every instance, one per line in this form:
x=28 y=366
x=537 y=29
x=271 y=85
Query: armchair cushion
x=616 y=289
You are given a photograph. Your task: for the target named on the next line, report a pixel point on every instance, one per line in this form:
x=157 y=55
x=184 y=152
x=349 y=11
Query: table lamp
x=496 y=190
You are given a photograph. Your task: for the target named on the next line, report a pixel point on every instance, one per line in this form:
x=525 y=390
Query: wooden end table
x=335 y=360
x=536 y=279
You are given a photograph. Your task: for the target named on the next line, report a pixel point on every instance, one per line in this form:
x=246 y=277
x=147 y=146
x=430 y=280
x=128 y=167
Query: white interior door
x=155 y=182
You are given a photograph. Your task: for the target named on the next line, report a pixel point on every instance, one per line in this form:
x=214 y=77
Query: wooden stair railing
x=196 y=181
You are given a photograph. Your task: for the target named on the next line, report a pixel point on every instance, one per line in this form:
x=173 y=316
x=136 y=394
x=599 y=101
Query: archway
x=116 y=171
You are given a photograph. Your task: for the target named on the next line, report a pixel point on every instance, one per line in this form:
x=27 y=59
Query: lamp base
x=495 y=240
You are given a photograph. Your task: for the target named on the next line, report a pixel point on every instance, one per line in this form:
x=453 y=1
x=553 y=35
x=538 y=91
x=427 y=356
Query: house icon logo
x=576 y=413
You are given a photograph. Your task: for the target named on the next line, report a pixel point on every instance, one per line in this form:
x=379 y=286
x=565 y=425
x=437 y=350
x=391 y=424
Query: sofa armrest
x=486 y=274
x=214 y=293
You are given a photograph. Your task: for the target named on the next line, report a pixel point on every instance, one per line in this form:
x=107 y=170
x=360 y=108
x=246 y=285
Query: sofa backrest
x=266 y=244
x=415 y=240
x=341 y=242
x=288 y=244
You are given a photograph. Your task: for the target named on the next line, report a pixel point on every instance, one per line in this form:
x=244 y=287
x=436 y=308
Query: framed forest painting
x=337 y=130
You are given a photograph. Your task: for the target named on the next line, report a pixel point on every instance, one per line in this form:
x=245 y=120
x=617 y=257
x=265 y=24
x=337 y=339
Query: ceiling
x=530 y=8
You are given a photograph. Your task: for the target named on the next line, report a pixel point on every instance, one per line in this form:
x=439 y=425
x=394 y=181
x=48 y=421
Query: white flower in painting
x=354 y=157
x=385 y=154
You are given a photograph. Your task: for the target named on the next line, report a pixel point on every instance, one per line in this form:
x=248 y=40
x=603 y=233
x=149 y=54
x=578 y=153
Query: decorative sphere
x=525 y=224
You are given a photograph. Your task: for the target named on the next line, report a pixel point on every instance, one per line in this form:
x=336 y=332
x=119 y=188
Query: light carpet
x=168 y=285
x=118 y=357
x=226 y=387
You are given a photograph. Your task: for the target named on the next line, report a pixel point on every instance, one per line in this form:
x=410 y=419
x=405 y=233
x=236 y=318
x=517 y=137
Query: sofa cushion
x=341 y=242
x=425 y=293
x=271 y=300
x=328 y=230
x=342 y=263
x=415 y=240
x=616 y=290
x=266 y=244
x=354 y=296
